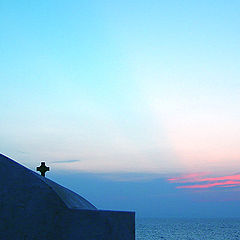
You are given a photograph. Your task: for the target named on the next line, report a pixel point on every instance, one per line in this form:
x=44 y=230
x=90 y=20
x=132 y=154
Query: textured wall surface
x=33 y=208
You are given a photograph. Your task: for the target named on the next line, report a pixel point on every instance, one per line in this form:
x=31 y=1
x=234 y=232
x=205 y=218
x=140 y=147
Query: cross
x=43 y=169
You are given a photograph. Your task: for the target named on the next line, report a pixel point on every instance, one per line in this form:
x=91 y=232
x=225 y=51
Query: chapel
x=32 y=207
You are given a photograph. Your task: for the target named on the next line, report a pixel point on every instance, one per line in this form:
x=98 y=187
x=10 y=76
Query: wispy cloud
x=192 y=177
x=67 y=161
x=206 y=182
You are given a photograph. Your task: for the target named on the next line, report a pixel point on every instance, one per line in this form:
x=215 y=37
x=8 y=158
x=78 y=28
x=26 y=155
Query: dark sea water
x=188 y=229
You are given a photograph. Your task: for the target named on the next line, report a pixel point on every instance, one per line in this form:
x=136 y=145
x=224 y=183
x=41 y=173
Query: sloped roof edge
x=69 y=198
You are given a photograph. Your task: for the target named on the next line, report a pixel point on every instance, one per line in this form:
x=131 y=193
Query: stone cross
x=43 y=169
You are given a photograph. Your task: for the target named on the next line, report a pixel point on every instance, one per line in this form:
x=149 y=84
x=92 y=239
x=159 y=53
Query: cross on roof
x=43 y=169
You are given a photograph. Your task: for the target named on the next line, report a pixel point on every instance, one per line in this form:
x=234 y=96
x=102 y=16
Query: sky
x=139 y=96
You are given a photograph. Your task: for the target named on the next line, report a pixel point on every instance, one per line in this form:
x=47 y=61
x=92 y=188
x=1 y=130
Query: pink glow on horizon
x=209 y=185
x=192 y=177
x=197 y=178
x=224 y=181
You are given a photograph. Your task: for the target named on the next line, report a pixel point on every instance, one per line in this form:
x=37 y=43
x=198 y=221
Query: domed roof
x=25 y=188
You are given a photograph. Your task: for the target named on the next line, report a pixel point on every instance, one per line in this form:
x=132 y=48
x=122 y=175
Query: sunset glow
x=141 y=95
x=209 y=182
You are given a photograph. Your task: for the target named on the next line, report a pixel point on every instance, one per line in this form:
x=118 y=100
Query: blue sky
x=140 y=91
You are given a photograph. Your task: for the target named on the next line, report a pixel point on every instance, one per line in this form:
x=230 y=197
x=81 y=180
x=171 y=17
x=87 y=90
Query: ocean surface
x=188 y=229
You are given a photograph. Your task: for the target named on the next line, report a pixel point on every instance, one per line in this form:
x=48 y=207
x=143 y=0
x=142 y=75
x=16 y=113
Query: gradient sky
x=138 y=95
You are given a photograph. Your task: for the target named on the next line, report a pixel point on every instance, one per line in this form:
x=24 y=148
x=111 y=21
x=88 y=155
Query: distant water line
x=187 y=229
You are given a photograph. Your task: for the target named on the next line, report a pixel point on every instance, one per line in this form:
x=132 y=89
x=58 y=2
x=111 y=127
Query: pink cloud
x=192 y=177
x=209 y=185
x=197 y=178
x=224 y=181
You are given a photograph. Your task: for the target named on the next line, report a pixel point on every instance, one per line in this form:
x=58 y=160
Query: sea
x=187 y=229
